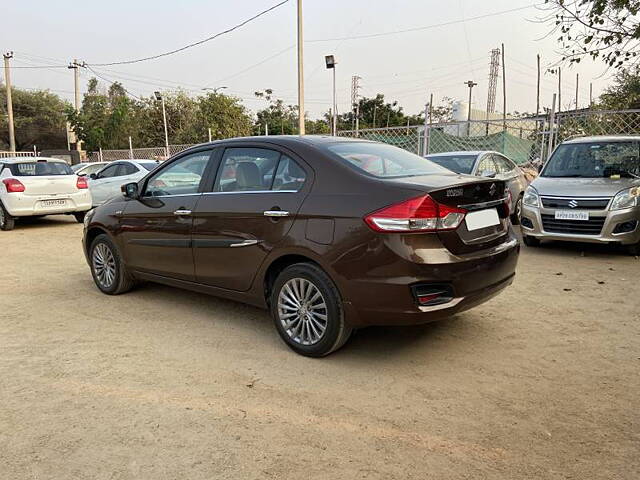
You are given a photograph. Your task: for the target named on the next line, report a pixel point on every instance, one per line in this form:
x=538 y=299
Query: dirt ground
x=542 y=382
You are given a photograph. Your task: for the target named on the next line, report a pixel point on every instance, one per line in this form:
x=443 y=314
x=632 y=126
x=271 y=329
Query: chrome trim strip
x=477 y=206
x=452 y=303
x=575 y=198
x=245 y=243
x=250 y=191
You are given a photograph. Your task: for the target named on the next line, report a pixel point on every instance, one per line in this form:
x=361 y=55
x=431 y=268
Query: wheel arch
x=91 y=235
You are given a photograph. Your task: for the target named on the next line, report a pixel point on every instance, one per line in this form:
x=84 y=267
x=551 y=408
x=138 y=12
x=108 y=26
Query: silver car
x=588 y=191
x=488 y=164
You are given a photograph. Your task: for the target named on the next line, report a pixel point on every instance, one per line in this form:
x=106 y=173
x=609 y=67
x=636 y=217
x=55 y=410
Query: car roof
x=462 y=152
x=30 y=159
x=604 y=138
x=285 y=140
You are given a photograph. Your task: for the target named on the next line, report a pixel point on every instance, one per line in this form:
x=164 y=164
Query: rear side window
x=40 y=169
x=127 y=169
x=289 y=175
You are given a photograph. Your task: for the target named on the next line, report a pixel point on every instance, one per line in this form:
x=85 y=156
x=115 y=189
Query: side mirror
x=488 y=173
x=93 y=176
x=130 y=190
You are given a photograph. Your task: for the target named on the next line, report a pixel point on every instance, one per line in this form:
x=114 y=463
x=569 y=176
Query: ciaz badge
x=455 y=192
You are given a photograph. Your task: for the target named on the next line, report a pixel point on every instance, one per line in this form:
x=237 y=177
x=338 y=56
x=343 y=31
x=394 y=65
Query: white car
x=107 y=182
x=37 y=186
x=87 y=168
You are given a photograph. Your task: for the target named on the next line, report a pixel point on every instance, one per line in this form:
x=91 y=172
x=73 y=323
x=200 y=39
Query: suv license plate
x=53 y=203
x=571 y=215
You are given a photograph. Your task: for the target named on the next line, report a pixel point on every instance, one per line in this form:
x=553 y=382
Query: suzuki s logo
x=492 y=189
x=455 y=192
x=573 y=204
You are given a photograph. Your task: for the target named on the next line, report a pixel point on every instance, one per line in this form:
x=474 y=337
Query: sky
x=432 y=59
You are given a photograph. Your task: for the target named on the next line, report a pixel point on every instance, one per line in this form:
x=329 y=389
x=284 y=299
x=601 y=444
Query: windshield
x=595 y=160
x=38 y=169
x=455 y=163
x=382 y=160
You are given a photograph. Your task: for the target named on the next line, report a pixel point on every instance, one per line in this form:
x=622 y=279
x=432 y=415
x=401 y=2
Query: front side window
x=40 y=169
x=381 y=160
x=182 y=177
x=595 y=160
x=110 y=171
x=455 y=163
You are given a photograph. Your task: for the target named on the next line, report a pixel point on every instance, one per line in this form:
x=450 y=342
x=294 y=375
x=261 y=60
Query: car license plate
x=571 y=215
x=53 y=203
x=482 y=219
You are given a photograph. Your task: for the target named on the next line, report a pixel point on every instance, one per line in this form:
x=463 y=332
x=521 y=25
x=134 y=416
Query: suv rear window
x=383 y=161
x=40 y=169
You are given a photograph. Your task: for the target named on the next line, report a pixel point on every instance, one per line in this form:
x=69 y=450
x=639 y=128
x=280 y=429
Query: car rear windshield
x=149 y=165
x=384 y=161
x=595 y=160
x=40 y=169
x=455 y=163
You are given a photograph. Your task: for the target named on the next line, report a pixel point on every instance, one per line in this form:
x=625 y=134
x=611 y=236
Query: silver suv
x=588 y=191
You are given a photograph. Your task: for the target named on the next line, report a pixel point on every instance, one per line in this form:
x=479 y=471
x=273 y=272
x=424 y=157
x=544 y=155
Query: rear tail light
x=13 y=185
x=420 y=214
x=81 y=183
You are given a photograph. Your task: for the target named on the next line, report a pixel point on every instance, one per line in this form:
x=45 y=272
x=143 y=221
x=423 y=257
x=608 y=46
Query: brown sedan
x=330 y=234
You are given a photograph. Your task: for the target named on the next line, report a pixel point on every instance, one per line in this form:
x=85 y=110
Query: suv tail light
x=81 y=183
x=13 y=185
x=420 y=214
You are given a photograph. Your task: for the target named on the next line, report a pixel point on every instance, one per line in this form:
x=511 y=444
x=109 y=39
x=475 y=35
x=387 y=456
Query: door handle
x=276 y=213
x=181 y=213
x=245 y=243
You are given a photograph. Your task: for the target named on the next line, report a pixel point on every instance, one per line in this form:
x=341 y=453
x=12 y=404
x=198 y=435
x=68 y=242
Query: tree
x=624 y=92
x=280 y=118
x=604 y=29
x=38 y=120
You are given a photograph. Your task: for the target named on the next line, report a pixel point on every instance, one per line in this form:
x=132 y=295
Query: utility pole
x=590 y=94
x=209 y=134
x=375 y=107
x=559 y=90
x=470 y=84
x=355 y=100
x=301 y=130
x=504 y=91
x=431 y=108
x=552 y=127
x=538 y=87
x=75 y=66
x=160 y=97
x=7 y=79
x=493 y=81
x=577 y=83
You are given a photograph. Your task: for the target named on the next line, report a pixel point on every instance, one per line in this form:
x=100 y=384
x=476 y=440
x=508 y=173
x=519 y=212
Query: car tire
x=530 y=241
x=107 y=267
x=80 y=216
x=7 y=222
x=307 y=311
x=634 y=250
x=517 y=211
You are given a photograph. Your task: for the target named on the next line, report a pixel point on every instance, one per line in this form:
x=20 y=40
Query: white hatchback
x=37 y=186
x=106 y=183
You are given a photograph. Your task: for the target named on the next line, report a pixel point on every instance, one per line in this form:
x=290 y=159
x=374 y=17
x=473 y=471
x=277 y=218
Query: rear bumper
x=20 y=205
x=607 y=235
x=474 y=280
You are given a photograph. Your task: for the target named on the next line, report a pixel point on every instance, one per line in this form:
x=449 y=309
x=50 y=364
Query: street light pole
x=330 y=62
x=301 y=130
x=7 y=80
x=469 y=84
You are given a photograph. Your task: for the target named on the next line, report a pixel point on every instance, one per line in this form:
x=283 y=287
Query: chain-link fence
x=524 y=140
x=151 y=153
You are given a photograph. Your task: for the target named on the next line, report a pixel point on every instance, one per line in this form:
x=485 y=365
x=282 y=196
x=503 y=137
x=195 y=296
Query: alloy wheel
x=104 y=265
x=302 y=311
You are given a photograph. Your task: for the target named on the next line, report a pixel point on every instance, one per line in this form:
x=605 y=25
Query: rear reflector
x=420 y=214
x=13 y=185
x=428 y=295
x=81 y=183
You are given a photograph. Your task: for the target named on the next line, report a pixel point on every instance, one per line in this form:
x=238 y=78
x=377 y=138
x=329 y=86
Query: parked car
x=301 y=229
x=37 y=186
x=107 y=182
x=488 y=164
x=87 y=168
x=588 y=191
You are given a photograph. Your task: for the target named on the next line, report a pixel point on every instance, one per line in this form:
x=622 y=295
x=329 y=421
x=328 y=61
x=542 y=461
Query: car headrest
x=248 y=175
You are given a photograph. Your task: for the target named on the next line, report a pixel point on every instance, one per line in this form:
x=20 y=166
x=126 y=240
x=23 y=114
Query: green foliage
x=38 y=120
x=604 y=29
x=624 y=92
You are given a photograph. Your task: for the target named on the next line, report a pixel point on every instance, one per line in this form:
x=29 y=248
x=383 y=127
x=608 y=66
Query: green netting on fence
x=520 y=150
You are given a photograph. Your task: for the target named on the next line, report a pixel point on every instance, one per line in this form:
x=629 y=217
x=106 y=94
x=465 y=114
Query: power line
x=110 y=81
x=426 y=27
x=194 y=44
